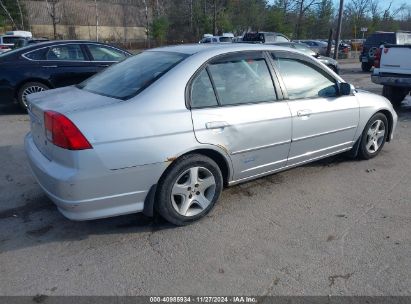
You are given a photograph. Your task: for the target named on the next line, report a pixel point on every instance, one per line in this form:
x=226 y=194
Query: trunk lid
x=65 y=101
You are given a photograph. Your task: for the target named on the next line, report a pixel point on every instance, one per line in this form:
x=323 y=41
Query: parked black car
x=264 y=37
x=52 y=64
x=374 y=41
x=328 y=61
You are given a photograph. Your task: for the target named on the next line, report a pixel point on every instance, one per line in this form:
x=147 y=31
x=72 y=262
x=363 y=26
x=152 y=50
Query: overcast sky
x=383 y=3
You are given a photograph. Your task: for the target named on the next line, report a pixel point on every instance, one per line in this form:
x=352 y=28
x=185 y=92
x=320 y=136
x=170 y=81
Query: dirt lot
x=334 y=227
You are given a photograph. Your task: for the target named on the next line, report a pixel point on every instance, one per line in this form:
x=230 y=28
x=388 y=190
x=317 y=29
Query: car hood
x=68 y=100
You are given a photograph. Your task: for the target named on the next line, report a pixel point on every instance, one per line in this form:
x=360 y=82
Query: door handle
x=301 y=113
x=216 y=125
x=103 y=65
x=49 y=66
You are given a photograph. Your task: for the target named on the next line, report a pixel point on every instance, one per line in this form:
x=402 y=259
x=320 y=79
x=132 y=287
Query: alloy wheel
x=193 y=191
x=31 y=90
x=375 y=136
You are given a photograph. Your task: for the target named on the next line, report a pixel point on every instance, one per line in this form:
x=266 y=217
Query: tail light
x=63 y=133
x=3 y=47
x=377 y=58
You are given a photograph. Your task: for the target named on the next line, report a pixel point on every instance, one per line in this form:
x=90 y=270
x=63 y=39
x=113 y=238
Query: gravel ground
x=334 y=227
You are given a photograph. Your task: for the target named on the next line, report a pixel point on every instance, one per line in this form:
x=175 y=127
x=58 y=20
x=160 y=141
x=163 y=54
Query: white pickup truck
x=393 y=71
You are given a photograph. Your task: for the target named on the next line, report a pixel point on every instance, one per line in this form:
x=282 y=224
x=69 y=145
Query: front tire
x=27 y=89
x=373 y=137
x=189 y=190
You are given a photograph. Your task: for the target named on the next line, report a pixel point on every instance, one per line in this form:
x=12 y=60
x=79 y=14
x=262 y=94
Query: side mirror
x=317 y=55
x=345 y=89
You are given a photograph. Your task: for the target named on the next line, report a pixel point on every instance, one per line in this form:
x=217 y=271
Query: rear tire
x=366 y=67
x=373 y=137
x=189 y=190
x=394 y=94
x=27 y=89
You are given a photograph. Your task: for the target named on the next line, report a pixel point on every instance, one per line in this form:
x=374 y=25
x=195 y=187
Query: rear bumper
x=84 y=195
x=392 y=80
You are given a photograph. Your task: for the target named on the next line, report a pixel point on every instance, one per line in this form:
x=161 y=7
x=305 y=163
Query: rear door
x=234 y=106
x=323 y=122
x=67 y=64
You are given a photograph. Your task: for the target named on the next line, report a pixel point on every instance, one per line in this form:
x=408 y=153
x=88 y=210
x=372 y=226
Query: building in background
x=121 y=21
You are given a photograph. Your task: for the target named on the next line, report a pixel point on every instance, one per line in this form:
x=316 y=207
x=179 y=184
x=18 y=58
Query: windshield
x=129 y=77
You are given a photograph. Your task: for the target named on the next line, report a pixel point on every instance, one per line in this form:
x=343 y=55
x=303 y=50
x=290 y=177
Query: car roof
x=191 y=49
x=46 y=43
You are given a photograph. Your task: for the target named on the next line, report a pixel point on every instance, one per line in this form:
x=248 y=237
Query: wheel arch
x=218 y=157
x=390 y=122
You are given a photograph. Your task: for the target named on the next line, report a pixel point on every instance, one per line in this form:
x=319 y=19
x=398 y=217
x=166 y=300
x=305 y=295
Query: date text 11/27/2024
x=203 y=299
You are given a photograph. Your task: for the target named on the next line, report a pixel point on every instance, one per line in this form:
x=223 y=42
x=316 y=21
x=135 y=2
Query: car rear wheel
x=374 y=136
x=27 y=89
x=189 y=190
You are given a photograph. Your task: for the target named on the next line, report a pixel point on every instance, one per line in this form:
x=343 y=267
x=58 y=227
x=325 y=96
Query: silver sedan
x=164 y=131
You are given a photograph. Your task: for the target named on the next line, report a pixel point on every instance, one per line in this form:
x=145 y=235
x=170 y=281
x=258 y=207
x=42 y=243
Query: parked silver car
x=168 y=128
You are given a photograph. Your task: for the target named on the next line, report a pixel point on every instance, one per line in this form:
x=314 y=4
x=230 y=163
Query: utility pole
x=330 y=39
x=338 y=34
x=215 y=19
x=147 y=25
x=95 y=2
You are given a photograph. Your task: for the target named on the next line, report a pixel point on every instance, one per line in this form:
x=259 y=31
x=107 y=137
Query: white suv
x=8 y=40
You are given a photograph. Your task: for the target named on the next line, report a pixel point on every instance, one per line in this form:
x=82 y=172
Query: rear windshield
x=129 y=77
x=257 y=37
x=10 y=39
x=226 y=39
x=380 y=38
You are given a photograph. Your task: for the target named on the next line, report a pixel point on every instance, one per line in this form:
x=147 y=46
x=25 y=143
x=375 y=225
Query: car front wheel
x=374 y=136
x=189 y=190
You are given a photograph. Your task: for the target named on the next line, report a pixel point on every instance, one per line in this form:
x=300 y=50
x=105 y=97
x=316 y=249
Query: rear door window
x=242 y=78
x=202 y=92
x=66 y=52
x=37 y=55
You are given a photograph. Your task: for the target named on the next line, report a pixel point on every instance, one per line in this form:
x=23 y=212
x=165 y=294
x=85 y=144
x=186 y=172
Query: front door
x=324 y=122
x=234 y=106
